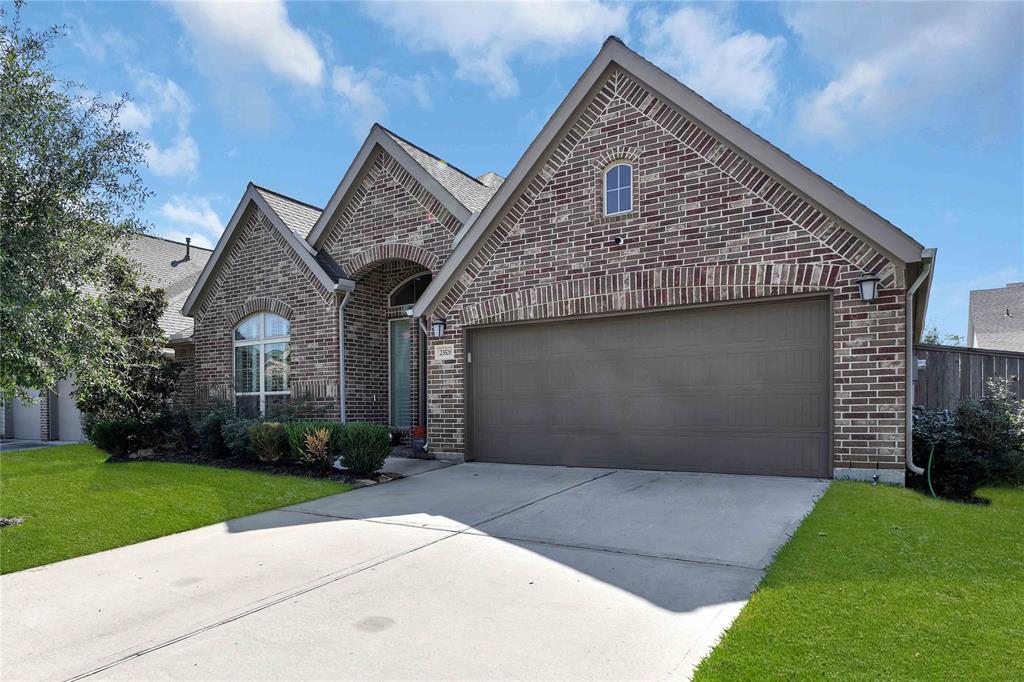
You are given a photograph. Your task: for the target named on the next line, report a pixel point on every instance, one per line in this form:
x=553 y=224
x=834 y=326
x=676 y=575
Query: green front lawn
x=883 y=583
x=74 y=503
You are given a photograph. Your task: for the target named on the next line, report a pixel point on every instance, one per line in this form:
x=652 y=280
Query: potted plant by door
x=418 y=440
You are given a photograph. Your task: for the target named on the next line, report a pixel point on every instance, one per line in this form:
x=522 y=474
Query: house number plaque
x=444 y=353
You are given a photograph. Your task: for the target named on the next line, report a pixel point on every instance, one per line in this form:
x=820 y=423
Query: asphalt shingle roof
x=998 y=317
x=298 y=216
x=467 y=190
x=163 y=265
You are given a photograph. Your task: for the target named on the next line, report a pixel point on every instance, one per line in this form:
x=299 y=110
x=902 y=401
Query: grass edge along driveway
x=74 y=503
x=884 y=583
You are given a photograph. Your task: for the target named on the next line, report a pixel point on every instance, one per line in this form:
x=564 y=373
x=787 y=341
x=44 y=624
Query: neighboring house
x=653 y=286
x=166 y=264
x=995 y=320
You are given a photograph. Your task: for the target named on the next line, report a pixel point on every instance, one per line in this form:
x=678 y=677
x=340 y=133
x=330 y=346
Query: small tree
x=135 y=379
x=933 y=336
x=69 y=194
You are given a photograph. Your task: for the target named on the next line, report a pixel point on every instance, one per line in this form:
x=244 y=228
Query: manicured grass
x=75 y=503
x=883 y=583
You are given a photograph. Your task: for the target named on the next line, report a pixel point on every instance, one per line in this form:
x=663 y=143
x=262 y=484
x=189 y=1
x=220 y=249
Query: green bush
x=235 y=433
x=268 y=441
x=120 y=437
x=365 y=447
x=175 y=432
x=979 y=444
x=299 y=430
x=209 y=435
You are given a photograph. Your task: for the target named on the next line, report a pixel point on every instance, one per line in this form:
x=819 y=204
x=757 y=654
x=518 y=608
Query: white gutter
x=341 y=354
x=928 y=260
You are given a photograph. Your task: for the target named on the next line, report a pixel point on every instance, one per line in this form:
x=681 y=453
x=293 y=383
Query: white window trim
x=402 y=284
x=262 y=343
x=604 y=186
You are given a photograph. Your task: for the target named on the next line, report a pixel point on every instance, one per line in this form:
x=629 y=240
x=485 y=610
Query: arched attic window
x=408 y=292
x=261 y=367
x=618 y=188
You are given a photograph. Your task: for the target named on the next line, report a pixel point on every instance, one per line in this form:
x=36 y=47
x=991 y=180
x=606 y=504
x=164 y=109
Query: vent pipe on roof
x=188 y=248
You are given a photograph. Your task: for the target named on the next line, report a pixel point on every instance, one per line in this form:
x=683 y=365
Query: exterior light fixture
x=868 y=287
x=439 y=325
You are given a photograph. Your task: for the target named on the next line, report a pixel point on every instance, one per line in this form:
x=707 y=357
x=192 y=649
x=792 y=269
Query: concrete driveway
x=473 y=571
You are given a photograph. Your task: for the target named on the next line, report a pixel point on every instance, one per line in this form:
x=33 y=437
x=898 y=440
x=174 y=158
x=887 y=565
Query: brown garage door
x=732 y=389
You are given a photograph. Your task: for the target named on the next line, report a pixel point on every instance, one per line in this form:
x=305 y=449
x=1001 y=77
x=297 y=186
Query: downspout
x=909 y=447
x=341 y=355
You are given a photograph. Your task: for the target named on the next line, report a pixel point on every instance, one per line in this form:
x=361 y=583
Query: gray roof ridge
x=286 y=196
x=392 y=133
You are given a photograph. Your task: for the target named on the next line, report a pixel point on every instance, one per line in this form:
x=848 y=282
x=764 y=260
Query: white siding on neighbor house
x=27 y=418
x=69 y=419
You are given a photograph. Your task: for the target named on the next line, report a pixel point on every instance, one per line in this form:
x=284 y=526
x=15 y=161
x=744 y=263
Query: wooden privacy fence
x=944 y=375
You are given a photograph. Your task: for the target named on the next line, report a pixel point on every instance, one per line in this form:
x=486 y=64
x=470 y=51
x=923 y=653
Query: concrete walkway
x=480 y=571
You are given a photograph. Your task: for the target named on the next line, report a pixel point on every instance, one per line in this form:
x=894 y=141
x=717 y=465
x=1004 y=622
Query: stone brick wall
x=389 y=230
x=706 y=226
x=390 y=216
x=262 y=273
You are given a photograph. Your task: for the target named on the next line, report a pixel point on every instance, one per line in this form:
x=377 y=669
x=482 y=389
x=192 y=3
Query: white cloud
x=96 y=44
x=484 y=38
x=367 y=95
x=359 y=94
x=892 y=62
x=181 y=157
x=234 y=33
x=192 y=212
x=735 y=69
x=162 y=108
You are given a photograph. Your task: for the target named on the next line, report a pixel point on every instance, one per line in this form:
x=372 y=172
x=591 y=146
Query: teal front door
x=398 y=372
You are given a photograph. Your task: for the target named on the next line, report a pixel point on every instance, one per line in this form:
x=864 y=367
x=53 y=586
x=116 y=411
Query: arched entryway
x=385 y=363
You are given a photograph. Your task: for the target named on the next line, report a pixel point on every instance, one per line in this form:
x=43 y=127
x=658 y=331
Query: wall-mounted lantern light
x=868 y=287
x=439 y=325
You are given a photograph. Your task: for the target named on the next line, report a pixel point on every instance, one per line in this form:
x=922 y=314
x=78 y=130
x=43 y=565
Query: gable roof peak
x=886 y=238
x=461 y=194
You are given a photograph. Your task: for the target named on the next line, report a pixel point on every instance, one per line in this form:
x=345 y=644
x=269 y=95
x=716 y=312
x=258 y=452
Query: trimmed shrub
x=365 y=447
x=235 y=432
x=120 y=437
x=209 y=432
x=299 y=430
x=268 y=441
x=316 y=452
x=174 y=431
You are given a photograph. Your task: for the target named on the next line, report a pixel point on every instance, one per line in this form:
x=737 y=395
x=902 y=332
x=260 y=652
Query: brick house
x=653 y=286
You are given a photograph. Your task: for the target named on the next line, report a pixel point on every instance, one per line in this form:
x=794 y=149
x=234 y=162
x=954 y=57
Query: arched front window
x=261 y=364
x=618 y=189
x=409 y=291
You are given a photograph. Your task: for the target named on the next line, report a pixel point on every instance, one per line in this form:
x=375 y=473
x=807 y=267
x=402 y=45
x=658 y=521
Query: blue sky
x=915 y=109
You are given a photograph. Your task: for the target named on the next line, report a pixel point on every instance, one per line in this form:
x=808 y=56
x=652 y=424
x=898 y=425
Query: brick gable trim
x=253 y=206
x=384 y=164
x=352 y=188
x=747 y=148
x=259 y=304
x=643 y=290
x=369 y=258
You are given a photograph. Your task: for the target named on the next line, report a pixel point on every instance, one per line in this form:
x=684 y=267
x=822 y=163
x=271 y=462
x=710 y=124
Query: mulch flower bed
x=341 y=475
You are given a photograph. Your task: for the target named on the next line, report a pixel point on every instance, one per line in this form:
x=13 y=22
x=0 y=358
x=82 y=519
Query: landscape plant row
x=220 y=434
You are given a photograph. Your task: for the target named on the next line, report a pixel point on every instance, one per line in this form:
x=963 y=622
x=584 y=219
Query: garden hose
x=929 y=468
